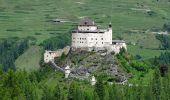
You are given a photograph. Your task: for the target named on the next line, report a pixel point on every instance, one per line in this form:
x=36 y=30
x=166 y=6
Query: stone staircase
x=57 y=67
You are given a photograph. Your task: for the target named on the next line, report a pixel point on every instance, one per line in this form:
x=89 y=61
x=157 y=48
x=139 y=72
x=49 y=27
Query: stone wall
x=50 y=55
x=110 y=48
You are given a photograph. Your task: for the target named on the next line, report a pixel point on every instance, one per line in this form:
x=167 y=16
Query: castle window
x=101 y=38
x=80 y=38
x=96 y=38
x=91 y=38
x=102 y=42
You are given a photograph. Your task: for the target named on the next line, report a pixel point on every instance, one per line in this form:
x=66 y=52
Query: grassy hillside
x=33 y=18
x=24 y=18
x=144 y=53
x=30 y=59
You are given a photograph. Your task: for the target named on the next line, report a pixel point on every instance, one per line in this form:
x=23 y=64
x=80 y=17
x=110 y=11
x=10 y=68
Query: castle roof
x=87 y=22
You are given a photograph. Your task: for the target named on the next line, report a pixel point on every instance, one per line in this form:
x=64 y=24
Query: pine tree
x=79 y=93
x=106 y=96
x=148 y=93
x=111 y=91
x=57 y=93
x=72 y=94
x=88 y=94
x=156 y=84
x=165 y=88
x=99 y=88
x=47 y=94
x=95 y=96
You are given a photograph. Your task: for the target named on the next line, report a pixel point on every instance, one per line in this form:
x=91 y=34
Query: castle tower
x=110 y=33
x=93 y=80
x=110 y=25
x=67 y=71
x=88 y=36
x=49 y=56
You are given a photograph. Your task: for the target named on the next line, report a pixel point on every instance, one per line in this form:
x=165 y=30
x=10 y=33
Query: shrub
x=139 y=66
x=165 y=41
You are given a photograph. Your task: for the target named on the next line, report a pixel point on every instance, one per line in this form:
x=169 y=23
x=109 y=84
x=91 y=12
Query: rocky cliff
x=85 y=64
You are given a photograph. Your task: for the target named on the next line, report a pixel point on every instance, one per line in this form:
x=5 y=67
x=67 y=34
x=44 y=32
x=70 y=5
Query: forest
x=10 y=50
x=165 y=41
x=56 y=42
x=23 y=86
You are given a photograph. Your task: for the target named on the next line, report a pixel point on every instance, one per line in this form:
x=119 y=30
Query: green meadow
x=29 y=61
x=144 y=53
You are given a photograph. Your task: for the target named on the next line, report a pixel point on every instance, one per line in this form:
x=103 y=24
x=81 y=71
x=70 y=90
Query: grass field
x=144 y=40
x=144 y=53
x=30 y=59
x=24 y=18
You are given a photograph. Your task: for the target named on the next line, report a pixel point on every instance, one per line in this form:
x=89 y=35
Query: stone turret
x=49 y=56
x=93 y=80
x=67 y=71
x=110 y=25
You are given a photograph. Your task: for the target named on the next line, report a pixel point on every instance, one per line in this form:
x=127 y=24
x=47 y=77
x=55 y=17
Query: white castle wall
x=50 y=55
x=90 y=38
x=116 y=47
x=80 y=40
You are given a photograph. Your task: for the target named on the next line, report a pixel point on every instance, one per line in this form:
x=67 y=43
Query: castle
x=90 y=38
x=87 y=37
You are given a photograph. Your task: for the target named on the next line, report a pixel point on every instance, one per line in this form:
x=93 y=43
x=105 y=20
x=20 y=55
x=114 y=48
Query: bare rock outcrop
x=85 y=63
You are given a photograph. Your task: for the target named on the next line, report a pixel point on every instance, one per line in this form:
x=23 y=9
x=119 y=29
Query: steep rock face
x=84 y=64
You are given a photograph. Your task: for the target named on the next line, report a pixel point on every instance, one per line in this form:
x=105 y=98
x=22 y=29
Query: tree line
x=165 y=41
x=166 y=27
x=10 y=50
x=20 y=85
x=56 y=42
x=164 y=58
